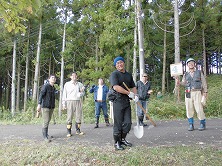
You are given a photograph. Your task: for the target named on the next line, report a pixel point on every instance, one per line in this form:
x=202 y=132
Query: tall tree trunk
x=97 y=55
x=176 y=43
x=18 y=88
x=7 y=97
x=204 y=54
x=164 y=63
x=13 y=79
x=62 y=67
x=134 y=50
x=35 y=88
x=26 y=73
x=141 y=39
x=176 y=33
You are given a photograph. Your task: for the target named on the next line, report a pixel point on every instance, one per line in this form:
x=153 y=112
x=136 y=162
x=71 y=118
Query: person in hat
x=195 y=88
x=121 y=104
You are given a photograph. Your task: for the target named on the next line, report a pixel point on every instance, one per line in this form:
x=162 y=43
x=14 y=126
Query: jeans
x=98 y=107
x=139 y=110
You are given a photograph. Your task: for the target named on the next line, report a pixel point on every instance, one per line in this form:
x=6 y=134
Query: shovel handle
x=139 y=104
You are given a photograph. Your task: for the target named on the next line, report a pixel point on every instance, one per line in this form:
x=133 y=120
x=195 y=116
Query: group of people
x=122 y=83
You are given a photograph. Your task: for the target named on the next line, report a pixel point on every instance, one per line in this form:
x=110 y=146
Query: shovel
x=138 y=130
x=144 y=111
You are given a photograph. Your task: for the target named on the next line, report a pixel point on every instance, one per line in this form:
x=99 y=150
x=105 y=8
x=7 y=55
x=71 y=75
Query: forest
x=40 y=37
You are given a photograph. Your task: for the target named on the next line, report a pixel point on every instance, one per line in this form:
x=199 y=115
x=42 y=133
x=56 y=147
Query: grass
x=27 y=152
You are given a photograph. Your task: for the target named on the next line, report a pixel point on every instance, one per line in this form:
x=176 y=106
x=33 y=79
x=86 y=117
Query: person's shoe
x=78 y=132
x=69 y=135
x=191 y=127
x=202 y=127
x=107 y=124
x=97 y=126
x=47 y=140
x=126 y=143
x=118 y=146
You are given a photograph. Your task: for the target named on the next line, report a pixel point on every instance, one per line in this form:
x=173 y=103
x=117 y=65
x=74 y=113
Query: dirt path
x=166 y=133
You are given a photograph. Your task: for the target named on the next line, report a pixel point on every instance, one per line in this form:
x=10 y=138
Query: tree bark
x=35 y=88
x=13 y=79
x=62 y=67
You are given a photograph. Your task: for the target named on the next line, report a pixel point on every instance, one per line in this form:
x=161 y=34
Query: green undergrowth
x=26 y=152
x=166 y=107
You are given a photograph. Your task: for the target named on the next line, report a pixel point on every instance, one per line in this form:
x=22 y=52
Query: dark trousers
x=122 y=116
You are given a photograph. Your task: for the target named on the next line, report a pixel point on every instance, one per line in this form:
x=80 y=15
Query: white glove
x=131 y=95
x=136 y=99
x=79 y=94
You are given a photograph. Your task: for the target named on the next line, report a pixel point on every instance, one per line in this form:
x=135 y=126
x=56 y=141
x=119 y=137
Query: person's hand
x=79 y=94
x=83 y=88
x=131 y=95
x=64 y=107
x=150 y=91
x=136 y=99
x=39 y=108
x=177 y=80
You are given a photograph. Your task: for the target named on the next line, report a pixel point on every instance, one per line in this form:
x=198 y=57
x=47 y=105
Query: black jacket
x=47 y=96
x=142 y=90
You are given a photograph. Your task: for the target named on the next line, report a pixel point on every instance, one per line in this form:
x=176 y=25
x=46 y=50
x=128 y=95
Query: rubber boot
x=45 y=134
x=191 y=127
x=78 y=132
x=107 y=121
x=202 y=125
x=97 y=123
x=117 y=144
x=124 y=141
x=141 y=121
x=69 y=129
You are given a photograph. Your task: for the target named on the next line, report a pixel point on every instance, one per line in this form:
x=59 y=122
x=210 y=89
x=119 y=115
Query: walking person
x=195 y=87
x=46 y=104
x=100 y=94
x=71 y=100
x=121 y=104
x=143 y=87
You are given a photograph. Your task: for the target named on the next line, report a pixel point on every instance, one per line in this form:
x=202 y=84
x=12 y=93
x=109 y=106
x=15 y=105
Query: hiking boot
x=69 y=129
x=107 y=122
x=202 y=127
x=97 y=123
x=191 y=127
x=78 y=132
x=117 y=144
x=124 y=141
x=96 y=126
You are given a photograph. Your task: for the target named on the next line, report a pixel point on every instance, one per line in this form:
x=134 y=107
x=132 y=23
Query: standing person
x=195 y=86
x=100 y=95
x=143 y=87
x=71 y=100
x=46 y=103
x=121 y=104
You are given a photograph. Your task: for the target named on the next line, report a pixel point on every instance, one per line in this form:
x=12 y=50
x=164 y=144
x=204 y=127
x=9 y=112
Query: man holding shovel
x=121 y=104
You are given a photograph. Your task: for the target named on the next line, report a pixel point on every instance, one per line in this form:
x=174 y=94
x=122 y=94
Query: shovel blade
x=138 y=131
